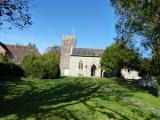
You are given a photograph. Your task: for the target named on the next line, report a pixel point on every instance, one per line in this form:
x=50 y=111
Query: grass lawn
x=72 y=99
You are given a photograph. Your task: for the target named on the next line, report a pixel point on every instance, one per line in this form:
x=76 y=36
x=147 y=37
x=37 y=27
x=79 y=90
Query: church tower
x=68 y=43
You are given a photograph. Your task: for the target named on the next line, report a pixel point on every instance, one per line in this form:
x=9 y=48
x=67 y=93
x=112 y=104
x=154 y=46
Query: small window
x=80 y=65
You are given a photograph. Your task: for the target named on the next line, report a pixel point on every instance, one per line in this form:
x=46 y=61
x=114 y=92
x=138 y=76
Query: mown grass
x=131 y=89
x=71 y=98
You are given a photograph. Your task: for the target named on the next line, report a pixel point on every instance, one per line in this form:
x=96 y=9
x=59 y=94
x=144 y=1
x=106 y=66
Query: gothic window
x=80 y=66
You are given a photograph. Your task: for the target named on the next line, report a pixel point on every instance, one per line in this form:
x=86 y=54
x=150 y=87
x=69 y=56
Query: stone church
x=83 y=61
x=79 y=61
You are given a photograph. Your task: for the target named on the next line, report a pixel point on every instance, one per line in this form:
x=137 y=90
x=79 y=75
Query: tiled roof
x=87 y=52
x=18 y=52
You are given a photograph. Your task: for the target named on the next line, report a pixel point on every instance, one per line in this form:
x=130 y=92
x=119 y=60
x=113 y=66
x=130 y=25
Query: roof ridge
x=17 y=45
x=90 y=48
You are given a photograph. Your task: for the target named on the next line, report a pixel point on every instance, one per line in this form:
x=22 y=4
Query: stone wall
x=87 y=64
x=130 y=74
x=68 y=43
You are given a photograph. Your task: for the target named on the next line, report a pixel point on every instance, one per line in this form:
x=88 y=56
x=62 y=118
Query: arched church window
x=80 y=66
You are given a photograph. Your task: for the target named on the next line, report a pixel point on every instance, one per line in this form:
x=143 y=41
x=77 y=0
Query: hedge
x=11 y=70
x=45 y=67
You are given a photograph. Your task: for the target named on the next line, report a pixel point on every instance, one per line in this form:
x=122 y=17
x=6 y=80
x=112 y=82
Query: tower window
x=80 y=66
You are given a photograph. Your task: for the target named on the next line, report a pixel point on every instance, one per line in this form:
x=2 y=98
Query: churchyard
x=67 y=82
x=76 y=98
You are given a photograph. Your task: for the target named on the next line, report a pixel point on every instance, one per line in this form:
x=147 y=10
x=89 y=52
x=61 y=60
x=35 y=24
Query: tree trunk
x=156 y=59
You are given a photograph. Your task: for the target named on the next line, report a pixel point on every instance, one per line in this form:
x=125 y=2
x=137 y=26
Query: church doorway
x=93 y=70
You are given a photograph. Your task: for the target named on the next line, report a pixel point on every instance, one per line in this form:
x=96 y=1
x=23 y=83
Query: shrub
x=45 y=67
x=5 y=59
x=49 y=66
x=10 y=70
x=27 y=64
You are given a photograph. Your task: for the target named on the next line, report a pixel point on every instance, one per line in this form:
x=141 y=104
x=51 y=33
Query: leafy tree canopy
x=46 y=66
x=118 y=56
x=32 y=45
x=14 y=13
x=55 y=50
x=145 y=67
x=5 y=59
x=138 y=17
x=142 y=18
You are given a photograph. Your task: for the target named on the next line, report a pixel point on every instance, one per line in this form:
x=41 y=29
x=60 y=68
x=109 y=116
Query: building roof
x=87 y=52
x=18 y=52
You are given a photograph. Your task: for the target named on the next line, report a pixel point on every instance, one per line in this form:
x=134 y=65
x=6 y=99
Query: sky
x=93 y=22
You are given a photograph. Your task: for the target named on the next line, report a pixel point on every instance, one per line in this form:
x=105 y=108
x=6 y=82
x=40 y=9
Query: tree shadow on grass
x=116 y=113
x=129 y=87
x=5 y=83
x=38 y=103
x=4 y=80
x=53 y=101
x=133 y=85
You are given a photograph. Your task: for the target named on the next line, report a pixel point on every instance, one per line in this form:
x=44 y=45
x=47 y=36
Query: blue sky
x=93 y=20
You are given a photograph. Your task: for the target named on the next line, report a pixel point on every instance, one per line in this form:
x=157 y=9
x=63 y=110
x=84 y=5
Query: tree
x=27 y=64
x=138 y=17
x=32 y=45
x=55 y=50
x=8 y=68
x=14 y=13
x=145 y=67
x=117 y=57
x=5 y=58
x=45 y=66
